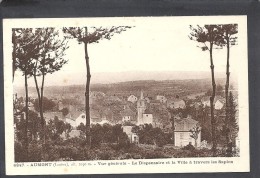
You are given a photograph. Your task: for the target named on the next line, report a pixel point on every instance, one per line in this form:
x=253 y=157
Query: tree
x=172 y=120
x=81 y=127
x=65 y=111
x=232 y=124
x=47 y=105
x=55 y=128
x=219 y=89
x=67 y=130
x=49 y=59
x=153 y=136
x=209 y=35
x=83 y=35
x=228 y=31
x=24 y=50
x=195 y=134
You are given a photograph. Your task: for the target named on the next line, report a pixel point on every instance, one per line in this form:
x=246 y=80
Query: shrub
x=19 y=152
x=34 y=152
x=189 y=147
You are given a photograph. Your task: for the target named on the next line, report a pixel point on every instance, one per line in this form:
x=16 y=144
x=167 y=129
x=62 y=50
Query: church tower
x=140 y=109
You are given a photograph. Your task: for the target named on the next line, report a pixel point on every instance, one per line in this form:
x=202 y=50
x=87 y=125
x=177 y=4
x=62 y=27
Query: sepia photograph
x=128 y=95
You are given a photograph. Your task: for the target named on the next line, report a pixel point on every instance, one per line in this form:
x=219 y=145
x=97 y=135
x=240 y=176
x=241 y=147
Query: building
x=132 y=98
x=219 y=102
x=161 y=98
x=81 y=118
x=128 y=114
x=51 y=115
x=71 y=134
x=155 y=103
x=133 y=137
x=148 y=99
x=182 y=133
x=143 y=117
x=176 y=103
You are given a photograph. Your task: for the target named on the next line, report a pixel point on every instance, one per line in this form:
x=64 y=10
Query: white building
x=219 y=105
x=218 y=102
x=176 y=103
x=147 y=119
x=161 y=98
x=126 y=118
x=75 y=122
x=132 y=98
x=133 y=137
x=183 y=132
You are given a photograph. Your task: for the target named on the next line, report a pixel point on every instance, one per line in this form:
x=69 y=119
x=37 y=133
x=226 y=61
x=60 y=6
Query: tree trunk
x=26 y=115
x=173 y=129
x=14 y=52
x=41 y=111
x=226 y=92
x=88 y=134
x=213 y=122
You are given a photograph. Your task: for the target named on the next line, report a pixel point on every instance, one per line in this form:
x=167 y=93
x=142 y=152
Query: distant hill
x=57 y=79
x=150 y=87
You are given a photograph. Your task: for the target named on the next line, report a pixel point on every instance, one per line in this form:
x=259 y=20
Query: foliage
x=195 y=133
x=33 y=126
x=55 y=128
x=232 y=120
x=189 y=147
x=219 y=90
x=153 y=136
x=84 y=36
x=50 y=57
x=65 y=111
x=47 y=104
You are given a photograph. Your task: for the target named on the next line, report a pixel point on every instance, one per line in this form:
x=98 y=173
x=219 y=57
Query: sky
x=152 y=45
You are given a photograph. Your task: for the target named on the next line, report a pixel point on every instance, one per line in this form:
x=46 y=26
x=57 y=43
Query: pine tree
x=232 y=123
x=88 y=36
x=209 y=37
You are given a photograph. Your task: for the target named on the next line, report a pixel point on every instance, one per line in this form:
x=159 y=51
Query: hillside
x=150 y=87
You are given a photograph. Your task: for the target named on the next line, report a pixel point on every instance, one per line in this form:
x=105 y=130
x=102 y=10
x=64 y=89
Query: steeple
x=142 y=95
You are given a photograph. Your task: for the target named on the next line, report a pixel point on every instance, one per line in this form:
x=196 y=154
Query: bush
x=189 y=147
x=34 y=152
x=19 y=152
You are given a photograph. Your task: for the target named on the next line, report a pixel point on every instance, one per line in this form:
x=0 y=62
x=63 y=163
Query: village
x=185 y=118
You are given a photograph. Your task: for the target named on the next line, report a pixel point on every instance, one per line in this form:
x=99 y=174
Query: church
x=143 y=116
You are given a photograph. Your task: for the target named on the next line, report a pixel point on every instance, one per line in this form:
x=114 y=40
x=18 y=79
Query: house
x=82 y=119
x=182 y=133
x=76 y=117
x=161 y=98
x=132 y=98
x=147 y=119
x=113 y=98
x=155 y=103
x=51 y=115
x=148 y=99
x=128 y=114
x=219 y=102
x=133 y=137
x=96 y=95
x=73 y=133
x=176 y=103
